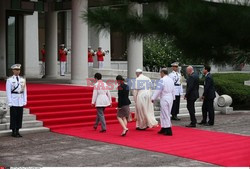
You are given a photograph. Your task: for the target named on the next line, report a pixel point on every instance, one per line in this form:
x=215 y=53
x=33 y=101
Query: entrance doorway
x=14 y=38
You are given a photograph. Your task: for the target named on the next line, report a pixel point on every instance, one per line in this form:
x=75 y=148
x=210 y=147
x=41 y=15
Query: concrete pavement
x=51 y=149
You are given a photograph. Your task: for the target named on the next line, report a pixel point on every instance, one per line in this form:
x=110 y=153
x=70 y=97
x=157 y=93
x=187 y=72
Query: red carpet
x=64 y=106
x=66 y=109
x=212 y=147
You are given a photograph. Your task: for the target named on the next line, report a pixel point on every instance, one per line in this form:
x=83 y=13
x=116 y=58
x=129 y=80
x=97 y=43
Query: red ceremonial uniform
x=63 y=55
x=43 y=55
x=90 y=56
x=100 y=56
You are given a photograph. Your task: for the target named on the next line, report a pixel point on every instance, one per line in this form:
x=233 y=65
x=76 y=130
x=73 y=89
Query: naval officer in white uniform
x=166 y=91
x=176 y=77
x=17 y=98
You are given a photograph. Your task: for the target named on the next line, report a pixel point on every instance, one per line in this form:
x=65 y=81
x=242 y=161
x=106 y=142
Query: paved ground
x=51 y=149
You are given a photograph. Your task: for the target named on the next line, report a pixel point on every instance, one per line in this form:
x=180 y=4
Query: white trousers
x=166 y=107
x=100 y=64
x=90 y=64
x=62 y=68
x=43 y=68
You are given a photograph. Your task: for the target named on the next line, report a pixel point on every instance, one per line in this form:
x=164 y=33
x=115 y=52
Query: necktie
x=17 y=78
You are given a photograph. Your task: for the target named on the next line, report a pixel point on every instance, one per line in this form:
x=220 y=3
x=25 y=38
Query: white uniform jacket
x=165 y=89
x=176 y=77
x=16 y=91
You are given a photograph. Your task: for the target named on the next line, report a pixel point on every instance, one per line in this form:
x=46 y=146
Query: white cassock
x=144 y=107
x=166 y=91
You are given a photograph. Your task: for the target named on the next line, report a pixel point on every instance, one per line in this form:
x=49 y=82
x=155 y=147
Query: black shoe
x=175 y=118
x=124 y=134
x=14 y=135
x=191 y=125
x=19 y=135
x=168 y=132
x=102 y=131
x=202 y=123
x=95 y=127
x=138 y=128
x=162 y=131
x=207 y=124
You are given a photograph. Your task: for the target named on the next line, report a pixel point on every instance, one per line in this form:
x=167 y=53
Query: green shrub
x=232 y=84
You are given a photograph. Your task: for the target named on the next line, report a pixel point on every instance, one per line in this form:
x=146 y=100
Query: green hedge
x=232 y=84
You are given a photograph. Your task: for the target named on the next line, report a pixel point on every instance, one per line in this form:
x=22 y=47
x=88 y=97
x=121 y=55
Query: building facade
x=25 y=25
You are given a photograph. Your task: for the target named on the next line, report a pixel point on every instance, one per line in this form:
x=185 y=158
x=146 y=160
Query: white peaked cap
x=62 y=45
x=175 y=64
x=16 y=66
x=138 y=71
x=89 y=47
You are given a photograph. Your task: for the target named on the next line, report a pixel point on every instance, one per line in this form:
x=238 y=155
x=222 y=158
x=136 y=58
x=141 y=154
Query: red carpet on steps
x=212 y=147
x=66 y=109
x=64 y=106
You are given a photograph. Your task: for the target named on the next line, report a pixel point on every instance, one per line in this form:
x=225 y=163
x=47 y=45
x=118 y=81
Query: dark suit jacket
x=209 y=90
x=123 y=95
x=192 y=90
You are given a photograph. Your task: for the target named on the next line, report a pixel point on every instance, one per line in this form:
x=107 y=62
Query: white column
x=51 y=42
x=101 y=39
x=68 y=38
x=93 y=42
x=31 y=47
x=135 y=46
x=104 y=42
x=2 y=40
x=79 y=62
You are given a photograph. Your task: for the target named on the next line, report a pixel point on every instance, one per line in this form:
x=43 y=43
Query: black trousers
x=191 y=110
x=176 y=106
x=16 y=117
x=208 y=107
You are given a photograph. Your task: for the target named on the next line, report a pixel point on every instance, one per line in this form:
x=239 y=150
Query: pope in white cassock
x=144 y=114
x=166 y=91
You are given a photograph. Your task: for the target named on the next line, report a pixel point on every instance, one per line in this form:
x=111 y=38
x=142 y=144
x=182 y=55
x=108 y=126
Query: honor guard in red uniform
x=100 y=57
x=43 y=60
x=91 y=53
x=63 y=59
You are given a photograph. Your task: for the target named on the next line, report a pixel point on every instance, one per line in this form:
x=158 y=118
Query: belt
x=177 y=84
x=16 y=92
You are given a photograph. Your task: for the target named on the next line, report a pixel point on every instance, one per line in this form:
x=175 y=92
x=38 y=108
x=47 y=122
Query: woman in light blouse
x=101 y=99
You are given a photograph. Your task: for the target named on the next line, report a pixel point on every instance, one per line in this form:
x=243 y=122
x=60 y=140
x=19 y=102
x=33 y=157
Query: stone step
x=25 y=111
x=26 y=124
x=183 y=105
x=182 y=110
x=185 y=110
x=26 y=117
x=2 y=94
x=184 y=115
x=24 y=131
x=112 y=73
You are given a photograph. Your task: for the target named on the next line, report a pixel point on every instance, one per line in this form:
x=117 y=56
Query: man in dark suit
x=192 y=93
x=208 y=98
